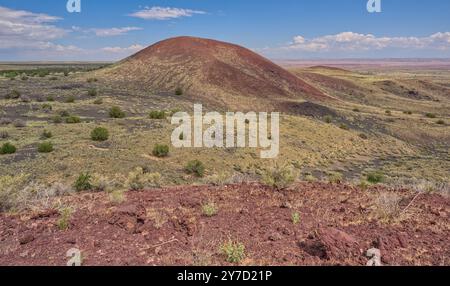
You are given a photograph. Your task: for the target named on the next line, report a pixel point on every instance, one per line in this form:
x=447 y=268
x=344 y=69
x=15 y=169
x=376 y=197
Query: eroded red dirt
x=166 y=227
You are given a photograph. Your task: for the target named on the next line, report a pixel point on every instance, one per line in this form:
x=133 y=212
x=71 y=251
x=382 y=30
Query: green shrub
x=70 y=99
x=100 y=134
x=98 y=101
x=116 y=112
x=50 y=98
x=57 y=119
x=73 y=119
x=295 y=218
x=210 y=209
x=160 y=151
x=45 y=147
x=179 y=91
x=46 y=134
x=344 y=127
x=14 y=94
x=195 y=167
x=375 y=177
x=47 y=107
x=328 y=119
x=158 y=114
x=83 y=182
x=64 y=113
x=7 y=148
x=430 y=115
x=92 y=92
x=234 y=252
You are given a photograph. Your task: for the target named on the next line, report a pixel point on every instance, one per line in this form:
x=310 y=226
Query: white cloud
x=350 y=41
x=128 y=50
x=30 y=31
x=110 y=32
x=164 y=13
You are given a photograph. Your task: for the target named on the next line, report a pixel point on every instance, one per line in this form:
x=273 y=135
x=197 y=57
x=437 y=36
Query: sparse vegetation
x=4 y=135
x=73 y=119
x=375 y=177
x=388 y=206
x=179 y=91
x=279 y=177
x=234 y=252
x=7 y=148
x=440 y=122
x=45 y=147
x=98 y=101
x=92 y=92
x=328 y=119
x=210 y=209
x=430 y=115
x=46 y=134
x=57 y=119
x=117 y=197
x=158 y=114
x=295 y=218
x=70 y=99
x=160 y=151
x=63 y=222
x=116 y=112
x=139 y=180
x=335 y=178
x=195 y=167
x=83 y=182
x=19 y=123
x=100 y=134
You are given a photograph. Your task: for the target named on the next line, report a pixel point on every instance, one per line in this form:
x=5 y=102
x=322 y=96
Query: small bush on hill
x=73 y=119
x=160 y=151
x=279 y=177
x=234 y=252
x=45 y=147
x=83 y=182
x=158 y=114
x=116 y=112
x=195 y=167
x=7 y=148
x=100 y=134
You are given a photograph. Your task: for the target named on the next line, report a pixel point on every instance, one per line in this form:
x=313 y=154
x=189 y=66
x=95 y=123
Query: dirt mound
x=335 y=225
x=210 y=70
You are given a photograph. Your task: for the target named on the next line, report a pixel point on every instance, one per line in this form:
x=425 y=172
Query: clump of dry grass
x=139 y=180
x=388 y=206
x=279 y=177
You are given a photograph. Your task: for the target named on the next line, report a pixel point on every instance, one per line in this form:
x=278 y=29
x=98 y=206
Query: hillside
x=211 y=71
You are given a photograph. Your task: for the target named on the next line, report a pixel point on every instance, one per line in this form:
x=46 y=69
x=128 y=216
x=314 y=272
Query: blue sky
x=294 y=29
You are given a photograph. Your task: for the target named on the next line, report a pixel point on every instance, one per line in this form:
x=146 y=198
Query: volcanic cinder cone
x=210 y=71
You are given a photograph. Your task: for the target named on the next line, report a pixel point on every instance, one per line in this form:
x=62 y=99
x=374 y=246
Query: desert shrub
x=279 y=177
x=139 y=180
x=356 y=110
x=375 y=177
x=63 y=222
x=19 y=123
x=217 y=179
x=116 y=112
x=4 y=135
x=328 y=119
x=102 y=183
x=64 y=113
x=117 y=197
x=195 y=167
x=408 y=112
x=158 y=114
x=295 y=217
x=344 y=127
x=50 y=98
x=388 y=206
x=388 y=112
x=73 y=119
x=160 y=151
x=45 y=147
x=57 y=119
x=179 y=91
x=234 y=252
x=66 y=73
x=47 y=107
x=100 y=134
x=70 y=99
x=430 y=115
x=440 y=122
x=53 y=78
x=92 y=92
x=210 y=209
x=98 y=101
x=91 y=80
x=83 y=182
x=335 y=178
x=363 y=136
x=14 y=94
x=5 y=121
x=7 y=148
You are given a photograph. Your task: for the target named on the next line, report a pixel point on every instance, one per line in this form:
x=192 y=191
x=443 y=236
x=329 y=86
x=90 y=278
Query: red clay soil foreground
x=336 y=225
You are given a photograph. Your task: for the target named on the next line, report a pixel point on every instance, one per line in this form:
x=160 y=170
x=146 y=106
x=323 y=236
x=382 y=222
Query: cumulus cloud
x=110 y=32
x=164 y=13
x=127 y=50
x=27 y=31
x=350 y=41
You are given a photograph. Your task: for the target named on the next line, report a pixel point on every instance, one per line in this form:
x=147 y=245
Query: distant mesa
x=212 y=72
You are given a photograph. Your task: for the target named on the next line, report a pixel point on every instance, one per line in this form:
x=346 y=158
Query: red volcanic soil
x=337 y=225
x=214 y=71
